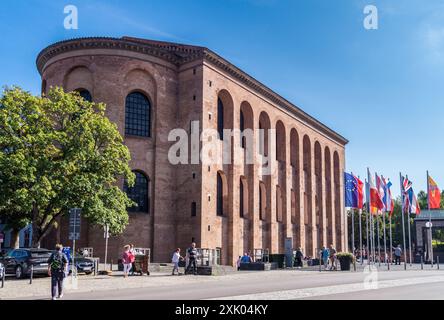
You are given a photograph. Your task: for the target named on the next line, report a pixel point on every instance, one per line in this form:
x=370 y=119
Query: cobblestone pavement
x=281 y=284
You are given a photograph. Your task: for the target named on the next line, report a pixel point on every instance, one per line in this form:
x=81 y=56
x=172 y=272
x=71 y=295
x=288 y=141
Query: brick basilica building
x=151 y=88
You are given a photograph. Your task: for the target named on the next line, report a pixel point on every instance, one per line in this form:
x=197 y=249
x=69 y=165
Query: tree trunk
x=36 y=236
x=15 y=239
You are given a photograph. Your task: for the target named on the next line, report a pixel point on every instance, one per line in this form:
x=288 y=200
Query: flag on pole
x=434 y=195
x=354 y=191
x=360 y=193
x=380 y=186
x=410 y=202
x=414 y=204
x=389 y=203
x=375 y=199
x=406 y=186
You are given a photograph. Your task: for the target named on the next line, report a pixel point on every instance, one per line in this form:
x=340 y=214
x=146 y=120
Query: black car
x=84 y=265
x=19 y=261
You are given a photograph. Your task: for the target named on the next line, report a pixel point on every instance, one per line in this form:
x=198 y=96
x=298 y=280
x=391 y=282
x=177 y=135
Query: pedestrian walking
x=298 y=258
x=192 y=257
x=127 y=260
x=175 y=260
x=57 y=264
x=133 y=259
x=398 y=254
x=325 y=254
x=238 y=263
x=332 y=254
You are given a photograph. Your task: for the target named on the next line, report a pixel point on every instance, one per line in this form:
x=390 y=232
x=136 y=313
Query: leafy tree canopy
x=58 y=152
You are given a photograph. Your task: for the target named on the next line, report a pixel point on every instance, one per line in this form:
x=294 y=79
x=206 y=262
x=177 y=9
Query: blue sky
x=382 y=89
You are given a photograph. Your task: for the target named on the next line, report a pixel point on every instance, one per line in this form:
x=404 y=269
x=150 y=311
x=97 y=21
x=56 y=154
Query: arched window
x=242 y=129
x=139 y=193
x=85 y=94
x=137 y=115
x=241 y=199
x=220 y=195
x=220 y=118
x=262 y=199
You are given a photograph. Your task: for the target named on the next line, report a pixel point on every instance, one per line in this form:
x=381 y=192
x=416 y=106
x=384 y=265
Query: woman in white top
x=175 y=260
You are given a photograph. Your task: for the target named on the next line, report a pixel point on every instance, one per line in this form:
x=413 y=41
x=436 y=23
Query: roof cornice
x=179 y=54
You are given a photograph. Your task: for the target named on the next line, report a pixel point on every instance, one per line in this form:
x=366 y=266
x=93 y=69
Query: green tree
x=58 y=152
x=423 y=200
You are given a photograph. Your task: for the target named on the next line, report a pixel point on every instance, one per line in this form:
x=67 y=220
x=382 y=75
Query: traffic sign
x=74 y=223
x=106 y=232
x=429 y=224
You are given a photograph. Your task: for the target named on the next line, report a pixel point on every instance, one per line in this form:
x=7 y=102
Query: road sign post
x=74 y=234
x=106 y=236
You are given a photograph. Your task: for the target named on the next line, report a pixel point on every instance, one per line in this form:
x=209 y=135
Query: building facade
x=151 y=88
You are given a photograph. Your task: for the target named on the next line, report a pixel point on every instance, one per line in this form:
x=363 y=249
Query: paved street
x=275 y=285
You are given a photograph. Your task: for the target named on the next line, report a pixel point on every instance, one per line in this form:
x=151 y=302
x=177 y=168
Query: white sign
x=429 y=225
x=106 y=232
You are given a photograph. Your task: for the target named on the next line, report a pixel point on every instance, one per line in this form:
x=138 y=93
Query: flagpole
x=360 y=235
x=372 y=223
x=377 y=222
x=391 y=240
x=373 y=239
x=379 y=238
x=408 y=224
x=402 y=218
x=367 y=222
x=385 y=237
x=430 y=253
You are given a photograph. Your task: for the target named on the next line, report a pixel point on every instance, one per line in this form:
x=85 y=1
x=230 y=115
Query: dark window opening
x=193 y=209
x=137 y=115
x=220 y=119
x=85 y=94
x=220 y=196
x=241 y=199
x=139 y=193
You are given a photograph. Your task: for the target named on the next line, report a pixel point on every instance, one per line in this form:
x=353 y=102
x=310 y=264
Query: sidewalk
x=21 y=289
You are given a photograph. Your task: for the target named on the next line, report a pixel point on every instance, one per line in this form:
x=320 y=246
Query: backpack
x=57 y=261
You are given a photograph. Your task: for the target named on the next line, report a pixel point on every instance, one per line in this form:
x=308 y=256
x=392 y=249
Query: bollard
x=31 y=275
x=422 y=263
x=320 y=262
x=388 y=266
x=437 y=262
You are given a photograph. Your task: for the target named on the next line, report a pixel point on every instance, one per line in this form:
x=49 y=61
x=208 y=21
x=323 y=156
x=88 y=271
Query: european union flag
x=351 y=191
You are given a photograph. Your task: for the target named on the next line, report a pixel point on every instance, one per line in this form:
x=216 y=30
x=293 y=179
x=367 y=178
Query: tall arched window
x=85 y=94
x=242 y=129
x=241 y=199
x=220 y=195
x=262 y=200
x=139 y=193
x=220 y=118
x=137 y=115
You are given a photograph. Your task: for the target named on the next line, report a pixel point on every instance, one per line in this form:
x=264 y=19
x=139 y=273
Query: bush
x=345 y=255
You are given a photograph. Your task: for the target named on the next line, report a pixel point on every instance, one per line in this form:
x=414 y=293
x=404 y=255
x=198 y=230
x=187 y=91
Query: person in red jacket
x=127 y=260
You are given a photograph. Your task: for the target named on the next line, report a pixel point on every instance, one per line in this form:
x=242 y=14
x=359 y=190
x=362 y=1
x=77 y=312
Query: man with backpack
x=56 y=270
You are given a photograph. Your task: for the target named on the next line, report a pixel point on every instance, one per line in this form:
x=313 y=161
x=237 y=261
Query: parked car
x=84 y=265
x=19 y=261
